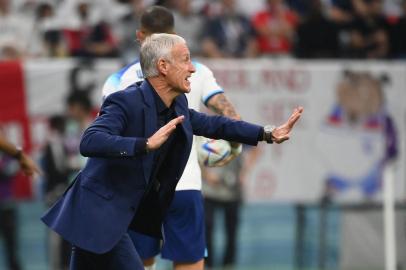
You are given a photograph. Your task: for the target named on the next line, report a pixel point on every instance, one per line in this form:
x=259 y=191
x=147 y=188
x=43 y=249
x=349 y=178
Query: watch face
x=268 y=133
x=269 y=128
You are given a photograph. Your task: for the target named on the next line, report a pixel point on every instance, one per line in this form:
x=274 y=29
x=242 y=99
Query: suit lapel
x=150 y=124
x=182 y=109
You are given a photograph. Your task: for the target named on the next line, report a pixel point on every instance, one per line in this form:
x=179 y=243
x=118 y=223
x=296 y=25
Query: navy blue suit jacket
x=101 y=204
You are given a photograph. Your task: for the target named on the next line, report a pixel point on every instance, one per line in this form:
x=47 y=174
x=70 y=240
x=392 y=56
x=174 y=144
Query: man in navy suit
x=138 y=147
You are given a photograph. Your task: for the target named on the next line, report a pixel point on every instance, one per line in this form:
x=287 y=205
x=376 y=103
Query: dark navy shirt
x=165 y=115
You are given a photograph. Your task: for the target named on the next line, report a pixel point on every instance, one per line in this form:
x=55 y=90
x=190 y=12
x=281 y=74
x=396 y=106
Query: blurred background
x=316 y=202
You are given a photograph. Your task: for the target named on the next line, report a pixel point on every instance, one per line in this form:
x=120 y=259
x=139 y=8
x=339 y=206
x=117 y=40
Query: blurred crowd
x=360 y=29
x=59 y=161
x=310 y=29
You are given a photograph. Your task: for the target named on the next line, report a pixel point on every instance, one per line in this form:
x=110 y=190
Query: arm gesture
x=159 y=137
x=282 y=133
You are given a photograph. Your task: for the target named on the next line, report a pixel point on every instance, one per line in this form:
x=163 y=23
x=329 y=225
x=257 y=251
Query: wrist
x=18 y=154
x=147 y=147
x=267 y=135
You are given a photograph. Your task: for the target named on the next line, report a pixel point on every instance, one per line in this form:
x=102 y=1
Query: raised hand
x=159 y=137
x=282 y=133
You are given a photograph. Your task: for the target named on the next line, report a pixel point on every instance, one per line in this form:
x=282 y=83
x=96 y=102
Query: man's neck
x=164 y=90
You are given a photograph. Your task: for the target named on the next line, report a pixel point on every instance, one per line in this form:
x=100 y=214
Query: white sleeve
x=122 y=79
x=111 y=85
x=210 y=85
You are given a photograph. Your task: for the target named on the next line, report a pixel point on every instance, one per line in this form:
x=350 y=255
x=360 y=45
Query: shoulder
x=123 y=78
x=118 y=75
x=205 y=83
x=201 y=69
x=125 y=97
x=131 y=73
x=182 y=100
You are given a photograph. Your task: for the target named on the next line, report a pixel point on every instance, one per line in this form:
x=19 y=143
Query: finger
x=294 y=117
x=299 y=109
x=174 y=122
x=282 y=140
x=167 y=130
x=171 y=125
x=224 y=161
x=177 y=120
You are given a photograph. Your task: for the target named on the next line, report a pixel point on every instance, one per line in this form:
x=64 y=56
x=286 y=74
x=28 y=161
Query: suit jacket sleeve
x=103 y=138
x=219 y=127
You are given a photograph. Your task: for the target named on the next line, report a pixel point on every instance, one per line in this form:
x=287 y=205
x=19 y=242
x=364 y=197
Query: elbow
x=83 y=149
x=85 y=146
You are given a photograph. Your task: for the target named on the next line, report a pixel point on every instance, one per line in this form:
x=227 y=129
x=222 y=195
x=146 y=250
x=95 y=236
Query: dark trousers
x=8 y=230
x=59 y=252
x=122 y=257
x=231 y=211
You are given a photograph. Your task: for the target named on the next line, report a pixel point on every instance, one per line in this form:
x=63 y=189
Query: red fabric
x=276 y=44
x=77 y=39
x=392 y=20
x=73 y=39
x=110 y=38
x=13 y=111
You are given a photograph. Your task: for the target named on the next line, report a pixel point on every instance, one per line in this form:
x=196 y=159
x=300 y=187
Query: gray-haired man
x=138 y=148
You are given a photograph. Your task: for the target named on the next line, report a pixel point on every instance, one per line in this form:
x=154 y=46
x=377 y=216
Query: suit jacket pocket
x=98 y=188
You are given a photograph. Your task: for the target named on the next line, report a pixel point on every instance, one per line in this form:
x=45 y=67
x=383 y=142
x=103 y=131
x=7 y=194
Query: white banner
x=353 y=113
x=345 y=137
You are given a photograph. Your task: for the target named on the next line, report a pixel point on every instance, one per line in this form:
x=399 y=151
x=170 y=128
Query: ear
x=141 y=35
x=162 y=66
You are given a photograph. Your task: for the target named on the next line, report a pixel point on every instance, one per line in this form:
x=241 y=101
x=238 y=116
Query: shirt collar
x=159 y=104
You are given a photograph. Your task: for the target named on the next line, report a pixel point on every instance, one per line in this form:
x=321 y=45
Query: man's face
x=180 y=69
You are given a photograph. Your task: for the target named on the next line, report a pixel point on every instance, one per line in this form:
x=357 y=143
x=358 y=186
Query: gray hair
x=155 y=47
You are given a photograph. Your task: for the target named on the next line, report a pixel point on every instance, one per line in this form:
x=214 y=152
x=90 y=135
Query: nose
x=192 y=68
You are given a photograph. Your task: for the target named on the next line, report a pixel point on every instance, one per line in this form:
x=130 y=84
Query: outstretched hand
x=282 y=133
x=159 y=137
x=28 y=166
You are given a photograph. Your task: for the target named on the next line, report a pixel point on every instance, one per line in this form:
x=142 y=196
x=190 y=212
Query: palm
x=159 y=137
x=282 y=133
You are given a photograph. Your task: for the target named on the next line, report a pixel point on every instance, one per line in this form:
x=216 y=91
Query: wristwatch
x=268 y=133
